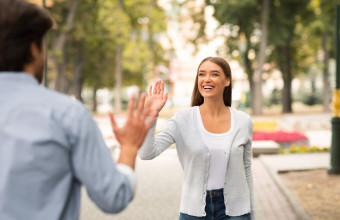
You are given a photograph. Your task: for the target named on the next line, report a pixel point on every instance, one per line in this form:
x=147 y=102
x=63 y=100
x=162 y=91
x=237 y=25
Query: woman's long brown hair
x=197 y=99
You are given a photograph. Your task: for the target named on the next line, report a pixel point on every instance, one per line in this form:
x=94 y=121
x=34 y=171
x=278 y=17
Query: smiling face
x=211 y=80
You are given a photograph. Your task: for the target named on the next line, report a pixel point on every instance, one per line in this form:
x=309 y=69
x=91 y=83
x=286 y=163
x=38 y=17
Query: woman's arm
x=155 y=144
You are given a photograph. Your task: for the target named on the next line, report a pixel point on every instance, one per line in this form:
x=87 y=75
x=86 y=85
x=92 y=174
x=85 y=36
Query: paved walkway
x=292 y=162
x=158 y=192
x=159 y=188
x=270 y=202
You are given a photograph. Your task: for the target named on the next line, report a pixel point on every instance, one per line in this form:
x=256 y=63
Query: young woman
x=213 y=143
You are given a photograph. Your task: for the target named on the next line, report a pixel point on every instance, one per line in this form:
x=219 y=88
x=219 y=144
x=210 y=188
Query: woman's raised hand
x=157 y=98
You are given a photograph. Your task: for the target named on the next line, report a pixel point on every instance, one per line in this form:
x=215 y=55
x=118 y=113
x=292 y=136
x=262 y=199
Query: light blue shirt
x=50 y=146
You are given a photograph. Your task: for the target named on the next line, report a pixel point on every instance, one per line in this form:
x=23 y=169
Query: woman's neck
x=213 y=108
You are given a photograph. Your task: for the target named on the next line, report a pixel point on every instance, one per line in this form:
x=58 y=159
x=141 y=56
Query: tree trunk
x=61 y=50
x=78 y=78
x=94 y=99
x=326 y=84
x=61 y=65
x=285 y=67
x=249 y=72
x=118 y=85
x=257 y=98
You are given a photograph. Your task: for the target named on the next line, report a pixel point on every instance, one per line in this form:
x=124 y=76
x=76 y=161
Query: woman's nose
x=207 y=78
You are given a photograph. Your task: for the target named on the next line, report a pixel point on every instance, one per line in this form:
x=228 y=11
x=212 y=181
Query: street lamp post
x=335 y=149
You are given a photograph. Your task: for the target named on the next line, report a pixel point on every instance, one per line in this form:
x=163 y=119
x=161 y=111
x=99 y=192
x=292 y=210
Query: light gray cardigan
x=194 y=157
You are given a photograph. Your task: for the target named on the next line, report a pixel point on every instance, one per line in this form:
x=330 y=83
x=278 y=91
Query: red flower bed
x=279 y=136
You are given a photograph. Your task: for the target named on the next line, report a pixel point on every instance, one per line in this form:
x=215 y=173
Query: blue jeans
x=214 y=208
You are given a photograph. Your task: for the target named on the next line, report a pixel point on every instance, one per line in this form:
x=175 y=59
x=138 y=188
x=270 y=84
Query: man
x=49 y=143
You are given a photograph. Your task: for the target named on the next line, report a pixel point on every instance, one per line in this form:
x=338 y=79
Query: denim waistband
x=215 y=192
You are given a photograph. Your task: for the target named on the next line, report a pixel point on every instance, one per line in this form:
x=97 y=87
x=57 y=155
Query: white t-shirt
x=217 y=147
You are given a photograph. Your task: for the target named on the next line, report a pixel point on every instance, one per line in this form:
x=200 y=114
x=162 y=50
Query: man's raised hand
x=132 y=134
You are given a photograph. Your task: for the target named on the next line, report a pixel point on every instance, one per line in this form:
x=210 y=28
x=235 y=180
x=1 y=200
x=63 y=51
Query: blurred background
x=281 y=52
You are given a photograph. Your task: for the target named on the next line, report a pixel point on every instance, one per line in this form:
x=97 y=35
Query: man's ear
x=35 y=51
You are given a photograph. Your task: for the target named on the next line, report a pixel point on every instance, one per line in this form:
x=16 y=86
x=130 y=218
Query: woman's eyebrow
x=214 y=71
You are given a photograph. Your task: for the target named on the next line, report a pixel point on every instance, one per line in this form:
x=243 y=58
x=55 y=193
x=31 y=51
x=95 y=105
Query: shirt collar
x=18 y=77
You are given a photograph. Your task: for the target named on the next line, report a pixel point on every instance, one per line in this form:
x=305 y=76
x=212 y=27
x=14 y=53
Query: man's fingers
x=113 y=121
x=131 y=105
x=140 y=106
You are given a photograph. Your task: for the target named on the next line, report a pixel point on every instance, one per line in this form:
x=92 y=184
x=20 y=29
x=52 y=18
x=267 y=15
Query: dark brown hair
x=21 y=23
x=197 y=99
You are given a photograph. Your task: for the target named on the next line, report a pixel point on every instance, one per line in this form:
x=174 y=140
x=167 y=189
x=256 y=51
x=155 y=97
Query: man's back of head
x=21 y=24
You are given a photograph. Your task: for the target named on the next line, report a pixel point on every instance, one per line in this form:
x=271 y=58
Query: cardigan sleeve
x=155 y=144
x=247 y=164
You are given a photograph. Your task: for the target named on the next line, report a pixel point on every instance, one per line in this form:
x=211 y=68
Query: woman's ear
x=227 y=83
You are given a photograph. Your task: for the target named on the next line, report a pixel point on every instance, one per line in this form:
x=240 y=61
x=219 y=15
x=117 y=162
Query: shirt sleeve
x=130 y=174
x=109 y=186
x=155 y=144
x=247 y=165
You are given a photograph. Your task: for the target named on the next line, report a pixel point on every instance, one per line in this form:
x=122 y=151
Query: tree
x=118 y=28
x=257 y=102
x=285 y=15
x=248 y=17
x=64 y=13
x=98 y=42
x=321 y=28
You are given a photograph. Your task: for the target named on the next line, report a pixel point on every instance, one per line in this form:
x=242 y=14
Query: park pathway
x=159 y=191
x=270 y=202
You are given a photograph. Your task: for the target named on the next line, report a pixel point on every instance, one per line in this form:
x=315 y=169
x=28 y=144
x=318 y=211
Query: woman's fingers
x=162 y=88
x=159 y=85
x=150 y=90
x=165 y=97
x=155 y=88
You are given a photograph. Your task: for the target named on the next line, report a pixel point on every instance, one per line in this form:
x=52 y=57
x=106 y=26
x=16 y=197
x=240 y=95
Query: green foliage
x=302 y=149
x=102 y=25
x=243 y=14
x=294 y=33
